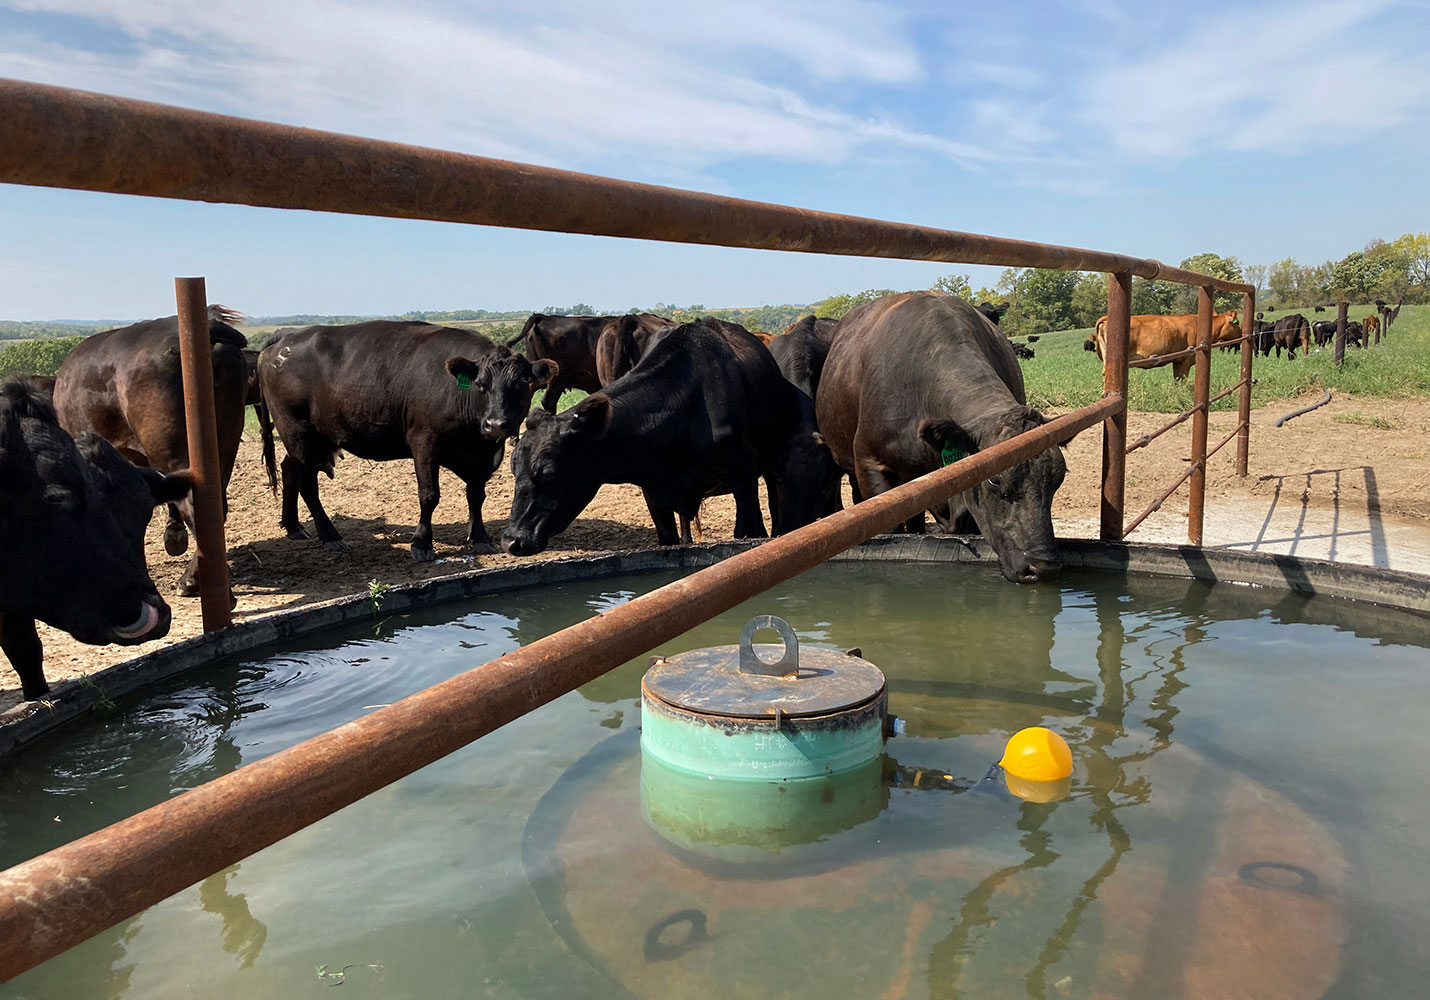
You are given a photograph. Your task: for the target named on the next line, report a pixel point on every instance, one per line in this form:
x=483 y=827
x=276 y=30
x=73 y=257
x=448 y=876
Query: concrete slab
x=1343 y=533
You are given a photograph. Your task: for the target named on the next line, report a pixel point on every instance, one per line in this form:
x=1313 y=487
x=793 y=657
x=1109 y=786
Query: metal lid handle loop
x=788 y=663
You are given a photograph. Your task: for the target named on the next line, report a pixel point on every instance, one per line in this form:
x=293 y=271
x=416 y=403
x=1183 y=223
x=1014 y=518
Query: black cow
x=126 y=386
x=704 y=412
x=800 y=351
x=991 y=312
x=72 y=520
x=1264 y=337
x=1292 y=331
x=1320 y=309
x=1323 y=331
x=569 y=343
x=389 y=390
x=915 y=380
x=1021 y=351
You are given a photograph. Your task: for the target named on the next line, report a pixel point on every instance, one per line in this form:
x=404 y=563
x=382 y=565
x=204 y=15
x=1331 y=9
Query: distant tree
x=1153 y=298
x=955 y=284
x=1227 y=268
x=1256 y=274
x=1353 y=275
x=1284 y=280
x=1089 y=299
x=836 y=306
x=36 y=357
x=1042 y=300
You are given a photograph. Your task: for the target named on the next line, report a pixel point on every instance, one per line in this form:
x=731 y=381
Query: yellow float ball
x=1037 y=754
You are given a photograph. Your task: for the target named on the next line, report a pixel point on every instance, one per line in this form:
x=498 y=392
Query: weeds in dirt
x=376 y=593
x=1363 y=418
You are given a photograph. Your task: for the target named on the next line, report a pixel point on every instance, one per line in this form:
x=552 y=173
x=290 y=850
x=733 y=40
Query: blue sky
x=1262 y=130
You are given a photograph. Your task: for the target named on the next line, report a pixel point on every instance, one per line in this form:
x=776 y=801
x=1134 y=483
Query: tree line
x=1040 y=300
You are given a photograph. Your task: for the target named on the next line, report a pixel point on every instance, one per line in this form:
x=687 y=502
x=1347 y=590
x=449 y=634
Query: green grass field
x=1063 y=376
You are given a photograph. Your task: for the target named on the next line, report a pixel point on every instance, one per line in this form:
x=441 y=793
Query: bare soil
x=1375 y=457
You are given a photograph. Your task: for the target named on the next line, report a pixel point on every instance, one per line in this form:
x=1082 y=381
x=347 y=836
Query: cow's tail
x=531 y=321
x=265 y=432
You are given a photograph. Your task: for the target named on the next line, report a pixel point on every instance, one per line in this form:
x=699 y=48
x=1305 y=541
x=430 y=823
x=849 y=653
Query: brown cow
x=125 y=386
x=1370 y=325
x=1155 y=336
x=569 y=342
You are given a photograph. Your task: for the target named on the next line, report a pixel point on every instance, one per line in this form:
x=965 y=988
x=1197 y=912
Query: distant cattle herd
x=893 y=390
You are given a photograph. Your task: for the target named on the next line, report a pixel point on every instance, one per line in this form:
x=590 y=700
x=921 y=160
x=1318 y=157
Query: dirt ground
x=1375 y=457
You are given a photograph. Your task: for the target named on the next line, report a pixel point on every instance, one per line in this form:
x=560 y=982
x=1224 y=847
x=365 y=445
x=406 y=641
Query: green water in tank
x=1248 y=815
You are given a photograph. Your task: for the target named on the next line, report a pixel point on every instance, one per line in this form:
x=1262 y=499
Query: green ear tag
x=464 y=381
x=952 y=454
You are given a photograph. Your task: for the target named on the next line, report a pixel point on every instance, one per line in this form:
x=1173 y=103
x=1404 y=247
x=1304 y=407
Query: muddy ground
x=1352 y=454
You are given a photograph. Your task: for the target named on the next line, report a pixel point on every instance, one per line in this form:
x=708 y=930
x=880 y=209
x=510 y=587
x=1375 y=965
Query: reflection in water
x=243 y=934
x=1114 y=781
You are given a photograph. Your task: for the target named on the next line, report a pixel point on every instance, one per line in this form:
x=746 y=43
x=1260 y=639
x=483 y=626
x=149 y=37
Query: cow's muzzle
x=1038 y=570
x=152 y=623
x=498 y=430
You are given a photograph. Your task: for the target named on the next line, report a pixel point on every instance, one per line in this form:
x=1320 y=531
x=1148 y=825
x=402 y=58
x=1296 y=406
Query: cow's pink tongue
x=148 y=617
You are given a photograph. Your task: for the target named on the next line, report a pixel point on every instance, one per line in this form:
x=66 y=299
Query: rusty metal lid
x=756 y=681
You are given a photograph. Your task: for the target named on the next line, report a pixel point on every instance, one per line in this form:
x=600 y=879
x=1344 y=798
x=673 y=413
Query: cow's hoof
x=420 y=554
x=188 y=587
x=484 y=548
x=297 y=534
x=176 y=539
x=335 y=545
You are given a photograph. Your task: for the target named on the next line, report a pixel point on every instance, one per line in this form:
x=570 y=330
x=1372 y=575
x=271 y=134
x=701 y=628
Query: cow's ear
x=946 y=436
x=591 y=416
x=465 y=371
x=169 y=488
x=543 y=372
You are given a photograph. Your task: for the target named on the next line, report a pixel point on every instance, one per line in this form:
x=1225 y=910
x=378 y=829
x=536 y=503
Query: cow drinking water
x=916 y=377
x=704 y=412
x=72 y=520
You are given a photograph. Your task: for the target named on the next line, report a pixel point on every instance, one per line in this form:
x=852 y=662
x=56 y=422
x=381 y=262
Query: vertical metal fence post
x=196 y=361
x=1114 y=381
x=1243 y=405
x=1202 y=382
x=1340 y=355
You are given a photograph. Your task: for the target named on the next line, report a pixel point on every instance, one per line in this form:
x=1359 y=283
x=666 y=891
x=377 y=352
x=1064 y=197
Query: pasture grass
x=1063 y=376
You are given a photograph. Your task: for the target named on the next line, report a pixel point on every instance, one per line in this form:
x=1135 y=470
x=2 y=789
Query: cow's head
x=505 y=383
x=805 y=481
x=1014 y=510
x=554 y=465
x=72 y=520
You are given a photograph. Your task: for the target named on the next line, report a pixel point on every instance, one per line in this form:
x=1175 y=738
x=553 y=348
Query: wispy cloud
x=1278 y=79
x=635 y=87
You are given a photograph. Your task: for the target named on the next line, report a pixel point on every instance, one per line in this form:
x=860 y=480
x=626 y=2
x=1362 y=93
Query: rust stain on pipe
x=1114 y=428
x=1202 y=384
x=196 y=363
x=57 y=900
x=54 y=137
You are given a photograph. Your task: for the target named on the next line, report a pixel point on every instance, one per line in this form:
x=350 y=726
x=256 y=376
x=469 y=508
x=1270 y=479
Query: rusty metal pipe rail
x=56 y=137
x=57 y=900
x=1147 y=439
x=1156 y=504
x=1225 y=393
x=1224 y=441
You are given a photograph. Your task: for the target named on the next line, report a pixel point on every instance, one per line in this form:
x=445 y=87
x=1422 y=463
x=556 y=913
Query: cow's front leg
x=22 y=646
x=749 y=522
x=424 y=460
x=872 y=477
x=481 y=543
x=664 y=520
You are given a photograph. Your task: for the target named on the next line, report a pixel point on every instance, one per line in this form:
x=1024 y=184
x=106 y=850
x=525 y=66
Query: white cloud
x=1280 y=79
x=638 y=88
